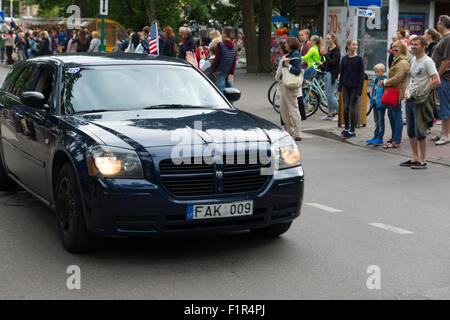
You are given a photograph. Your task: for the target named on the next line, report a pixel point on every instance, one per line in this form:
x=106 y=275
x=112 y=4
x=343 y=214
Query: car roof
x=106 y=58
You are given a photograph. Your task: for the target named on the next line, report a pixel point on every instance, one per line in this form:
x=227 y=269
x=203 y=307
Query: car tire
x=273 y=230
x=6 y=184
x=75 y=236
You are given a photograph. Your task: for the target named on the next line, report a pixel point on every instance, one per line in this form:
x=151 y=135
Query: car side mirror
x=33 y=99
x=232 y=94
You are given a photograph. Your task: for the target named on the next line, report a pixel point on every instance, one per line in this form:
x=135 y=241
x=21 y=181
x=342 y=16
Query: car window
x=136 y=87
x=44 y=82
x=8 y=84
x=25 y=81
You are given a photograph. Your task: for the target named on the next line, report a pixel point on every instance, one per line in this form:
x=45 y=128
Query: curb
x=330 y=135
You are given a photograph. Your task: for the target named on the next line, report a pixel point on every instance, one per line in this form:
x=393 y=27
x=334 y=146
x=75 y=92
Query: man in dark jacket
x=225 y=60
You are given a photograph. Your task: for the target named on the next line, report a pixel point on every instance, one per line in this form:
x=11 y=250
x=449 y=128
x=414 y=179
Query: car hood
x=168 y=127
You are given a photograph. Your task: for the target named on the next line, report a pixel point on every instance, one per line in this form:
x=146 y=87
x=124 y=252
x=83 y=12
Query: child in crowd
x=378 y=109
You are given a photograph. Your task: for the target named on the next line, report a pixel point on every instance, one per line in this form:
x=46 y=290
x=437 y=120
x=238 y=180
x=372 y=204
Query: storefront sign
x=340 y=22
x=413 y=23
x=364 y=3
x=365 y=13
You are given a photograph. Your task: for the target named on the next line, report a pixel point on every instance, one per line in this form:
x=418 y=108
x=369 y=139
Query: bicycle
x=311 y=99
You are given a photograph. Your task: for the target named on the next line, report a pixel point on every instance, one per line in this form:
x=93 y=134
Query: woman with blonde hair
x=313 y=56
x=95 y=42
x=397 y=78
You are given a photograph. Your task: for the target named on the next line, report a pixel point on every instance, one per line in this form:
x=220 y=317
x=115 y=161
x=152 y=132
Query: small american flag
x=153 y=44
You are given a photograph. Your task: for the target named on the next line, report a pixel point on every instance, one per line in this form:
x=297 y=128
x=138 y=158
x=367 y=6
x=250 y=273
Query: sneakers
x=335 y=118
x=416 y=165
x=351 y=134
x=419 y=166
x=327 y=117
x=370 y=141
x=377 y=142
x=443 y=140
x=408 y=163
x=344 y=133
x=435 y=137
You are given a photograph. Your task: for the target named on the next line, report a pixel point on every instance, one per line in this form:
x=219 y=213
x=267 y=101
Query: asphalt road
x=360 y=210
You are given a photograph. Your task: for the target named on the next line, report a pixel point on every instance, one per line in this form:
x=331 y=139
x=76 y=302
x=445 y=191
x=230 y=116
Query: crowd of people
x=417 y=83
x=18 y=44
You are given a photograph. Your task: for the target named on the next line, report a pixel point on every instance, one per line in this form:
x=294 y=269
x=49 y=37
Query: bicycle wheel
x=270 y=92
x=369 y=109
x=311 y=101
x=275 y=106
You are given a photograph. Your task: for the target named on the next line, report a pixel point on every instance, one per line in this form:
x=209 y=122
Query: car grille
x=239 y=175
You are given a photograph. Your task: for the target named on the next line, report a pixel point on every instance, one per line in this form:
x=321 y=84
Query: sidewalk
x=254 y=100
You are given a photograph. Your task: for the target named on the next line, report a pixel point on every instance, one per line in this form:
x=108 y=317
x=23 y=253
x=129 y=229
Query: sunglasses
x=395 y=50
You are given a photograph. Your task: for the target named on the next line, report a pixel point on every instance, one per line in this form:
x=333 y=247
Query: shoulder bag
x=290 y=80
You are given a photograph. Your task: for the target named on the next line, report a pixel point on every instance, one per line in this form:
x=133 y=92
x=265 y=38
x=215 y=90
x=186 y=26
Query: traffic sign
x=365 y=13
x=2 y=16
x=103 y=7
x=364 y=3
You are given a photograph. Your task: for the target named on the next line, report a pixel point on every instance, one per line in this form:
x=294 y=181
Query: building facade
x=374 y=35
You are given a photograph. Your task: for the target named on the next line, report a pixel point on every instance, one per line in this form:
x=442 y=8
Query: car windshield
x=115 y=88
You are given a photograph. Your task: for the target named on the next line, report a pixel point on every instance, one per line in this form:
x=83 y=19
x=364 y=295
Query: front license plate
x=220 y=210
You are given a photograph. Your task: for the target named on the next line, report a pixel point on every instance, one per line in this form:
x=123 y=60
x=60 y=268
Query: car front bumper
x=118 y=207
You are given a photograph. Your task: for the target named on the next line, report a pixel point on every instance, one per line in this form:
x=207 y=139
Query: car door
x=15 y=129
x=42 y=132
x=7 y=116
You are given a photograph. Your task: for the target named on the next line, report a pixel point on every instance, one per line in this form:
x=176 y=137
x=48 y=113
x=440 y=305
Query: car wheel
x=73 y=232
x=6 y=184
x=273 y=230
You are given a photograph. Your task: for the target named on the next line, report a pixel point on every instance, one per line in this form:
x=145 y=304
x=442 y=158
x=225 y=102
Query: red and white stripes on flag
x=153 y=45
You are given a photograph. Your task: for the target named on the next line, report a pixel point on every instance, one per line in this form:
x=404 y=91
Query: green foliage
x=132 y=13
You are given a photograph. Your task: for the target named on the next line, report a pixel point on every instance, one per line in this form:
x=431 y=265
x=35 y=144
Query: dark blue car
x=125 y=145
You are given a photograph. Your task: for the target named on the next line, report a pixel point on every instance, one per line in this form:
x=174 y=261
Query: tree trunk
x=264 y=43
x=251 y=46
x=150 y=10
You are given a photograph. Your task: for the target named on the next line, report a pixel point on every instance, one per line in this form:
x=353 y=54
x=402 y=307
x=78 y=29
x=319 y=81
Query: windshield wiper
x=175 y=106
x=95 y=111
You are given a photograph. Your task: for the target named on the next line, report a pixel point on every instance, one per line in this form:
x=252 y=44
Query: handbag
x=390 y=97
x=290 y=80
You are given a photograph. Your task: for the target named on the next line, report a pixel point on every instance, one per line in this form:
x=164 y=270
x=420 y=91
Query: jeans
x=443 y=92
x=222 y=81
x=309 y=74
x=330 y=92
x=396 y=121
x=3 y=54
x=350 y=100
x=378 y=116
x=411 y=121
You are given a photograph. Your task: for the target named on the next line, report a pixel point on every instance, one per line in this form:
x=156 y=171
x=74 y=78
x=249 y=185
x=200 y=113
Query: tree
x=257 y=49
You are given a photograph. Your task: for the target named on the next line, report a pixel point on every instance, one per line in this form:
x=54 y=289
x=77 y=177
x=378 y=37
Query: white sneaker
x=327 y=117
x=443 y=140
x=335 y=118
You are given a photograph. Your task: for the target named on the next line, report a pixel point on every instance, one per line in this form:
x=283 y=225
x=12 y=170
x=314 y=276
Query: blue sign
x=364 y=3
x=2 y=16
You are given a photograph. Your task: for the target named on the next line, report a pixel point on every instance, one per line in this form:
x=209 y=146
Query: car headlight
x=112 y=162
x=286 y=153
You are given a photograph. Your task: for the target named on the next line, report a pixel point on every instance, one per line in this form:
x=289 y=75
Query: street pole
x=11 y=9
x=102 y=47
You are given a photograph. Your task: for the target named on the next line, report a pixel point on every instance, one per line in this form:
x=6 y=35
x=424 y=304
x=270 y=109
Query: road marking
x=324 y=208
x=390 y=228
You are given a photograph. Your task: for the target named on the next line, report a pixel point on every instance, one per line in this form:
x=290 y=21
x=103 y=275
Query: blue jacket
x=380 y=92
x=296 y=63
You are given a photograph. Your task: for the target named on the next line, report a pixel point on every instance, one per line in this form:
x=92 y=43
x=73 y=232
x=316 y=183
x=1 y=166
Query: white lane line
x=324 y=208
x=390 y=228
